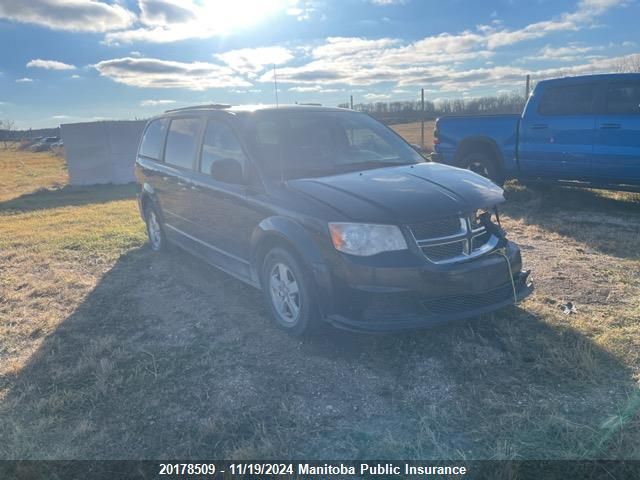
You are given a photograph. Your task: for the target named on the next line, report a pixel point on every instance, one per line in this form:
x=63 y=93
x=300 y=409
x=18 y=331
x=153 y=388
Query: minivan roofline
x=255 y=108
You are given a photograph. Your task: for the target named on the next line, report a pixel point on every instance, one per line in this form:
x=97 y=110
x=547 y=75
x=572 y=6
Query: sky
x=69 y=61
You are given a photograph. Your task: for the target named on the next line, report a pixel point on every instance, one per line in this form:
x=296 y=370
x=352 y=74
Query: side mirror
x=227 y=170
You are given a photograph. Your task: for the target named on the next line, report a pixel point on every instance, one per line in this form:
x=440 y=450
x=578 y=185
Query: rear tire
x=155 y=230
x=485 y=165
x=288 y=291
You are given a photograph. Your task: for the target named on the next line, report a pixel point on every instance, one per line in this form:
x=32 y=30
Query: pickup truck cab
x=582 y=130
x=333 y=215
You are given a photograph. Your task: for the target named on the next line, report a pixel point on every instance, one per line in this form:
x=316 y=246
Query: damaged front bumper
x=452 y=293
x=391 y=313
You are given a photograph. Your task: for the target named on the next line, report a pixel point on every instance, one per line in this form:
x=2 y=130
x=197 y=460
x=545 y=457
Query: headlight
x=365 y=240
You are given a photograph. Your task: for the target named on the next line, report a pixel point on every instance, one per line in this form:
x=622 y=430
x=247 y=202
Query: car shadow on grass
x=605 y=221
x=68 y=195
x=168 y=358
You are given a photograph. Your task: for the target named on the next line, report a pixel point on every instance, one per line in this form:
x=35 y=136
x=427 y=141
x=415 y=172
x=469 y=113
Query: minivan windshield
x=290 y=144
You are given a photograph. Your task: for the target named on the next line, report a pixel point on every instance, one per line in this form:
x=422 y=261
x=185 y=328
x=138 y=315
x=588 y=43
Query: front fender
x=289 y=233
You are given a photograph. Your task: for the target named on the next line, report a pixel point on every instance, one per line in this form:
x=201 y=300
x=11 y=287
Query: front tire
x=288 y=293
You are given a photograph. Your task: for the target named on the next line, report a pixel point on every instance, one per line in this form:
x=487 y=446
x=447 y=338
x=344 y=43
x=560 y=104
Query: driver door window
x=220 y=144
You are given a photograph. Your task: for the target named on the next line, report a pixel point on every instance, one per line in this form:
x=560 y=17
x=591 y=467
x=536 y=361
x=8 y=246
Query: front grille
x=439 y=228
x=479 y=241
x=452 y=239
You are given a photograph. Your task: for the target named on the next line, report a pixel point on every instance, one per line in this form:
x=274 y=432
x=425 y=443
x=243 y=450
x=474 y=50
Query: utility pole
x=526 y=90
x=275 y=83
x=422 y=119
x=351 y=101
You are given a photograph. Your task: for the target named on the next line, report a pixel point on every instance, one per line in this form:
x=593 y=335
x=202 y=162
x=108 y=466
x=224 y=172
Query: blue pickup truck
x=583 y=130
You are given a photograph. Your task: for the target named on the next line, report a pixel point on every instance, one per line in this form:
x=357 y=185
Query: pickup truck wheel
x=157 y=240
x=287 y=290
x=484 y=165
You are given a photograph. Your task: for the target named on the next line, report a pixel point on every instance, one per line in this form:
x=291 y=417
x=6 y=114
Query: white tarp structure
x=101 y=152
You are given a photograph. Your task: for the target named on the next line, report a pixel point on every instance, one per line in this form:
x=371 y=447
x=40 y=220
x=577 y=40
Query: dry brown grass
x=412 y=133
x=110 y=351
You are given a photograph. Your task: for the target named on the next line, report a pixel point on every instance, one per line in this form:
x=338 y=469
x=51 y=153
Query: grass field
x=412 y=133
x=110 y=351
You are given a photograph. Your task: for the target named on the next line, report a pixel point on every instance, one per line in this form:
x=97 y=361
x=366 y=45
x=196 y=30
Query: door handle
x=539 y=126
x=609 y=126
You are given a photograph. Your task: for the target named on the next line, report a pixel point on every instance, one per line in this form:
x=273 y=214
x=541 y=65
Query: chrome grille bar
x=435 y=248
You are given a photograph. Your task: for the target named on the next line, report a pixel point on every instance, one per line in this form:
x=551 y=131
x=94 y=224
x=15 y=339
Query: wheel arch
x=148 y=198
x=484 y=144
x=285 y=233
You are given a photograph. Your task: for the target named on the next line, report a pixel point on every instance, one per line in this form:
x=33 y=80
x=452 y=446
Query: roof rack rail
x=214 y=106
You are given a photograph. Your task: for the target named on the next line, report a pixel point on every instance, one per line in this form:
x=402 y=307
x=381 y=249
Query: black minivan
x=332 y=214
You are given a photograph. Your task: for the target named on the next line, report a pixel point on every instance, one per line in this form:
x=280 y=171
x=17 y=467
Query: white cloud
x=24 y=80
x=165 y=21
x=250 y=90
x=60 y=117
x=75 y=76
x=582 y=17
x=388 y=2
x=433 y=60
x=50 y=65
x=155 y=73
x=340 y=47
x=571 y=51
x=376 y=96
x=302 y=9
x=314 y=89
x=73 y=15
x=254 y=60
x=155 y=103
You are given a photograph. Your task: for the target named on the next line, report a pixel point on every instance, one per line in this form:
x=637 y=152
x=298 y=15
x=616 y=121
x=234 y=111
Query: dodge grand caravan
x=330 y=213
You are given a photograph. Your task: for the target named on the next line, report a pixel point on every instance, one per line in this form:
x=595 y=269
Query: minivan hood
x=402 y=195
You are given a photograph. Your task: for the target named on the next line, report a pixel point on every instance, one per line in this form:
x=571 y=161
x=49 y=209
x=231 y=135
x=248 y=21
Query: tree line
x=412 y=109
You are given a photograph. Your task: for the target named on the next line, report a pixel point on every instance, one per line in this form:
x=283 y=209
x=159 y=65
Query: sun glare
x=229 y=15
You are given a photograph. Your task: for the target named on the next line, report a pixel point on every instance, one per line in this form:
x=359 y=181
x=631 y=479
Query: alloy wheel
x=285 y=293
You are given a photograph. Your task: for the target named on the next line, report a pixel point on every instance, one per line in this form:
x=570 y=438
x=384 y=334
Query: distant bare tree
x=7 y=126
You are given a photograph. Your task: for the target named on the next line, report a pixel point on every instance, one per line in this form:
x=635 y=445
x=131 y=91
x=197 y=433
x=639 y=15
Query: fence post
x=422 y=119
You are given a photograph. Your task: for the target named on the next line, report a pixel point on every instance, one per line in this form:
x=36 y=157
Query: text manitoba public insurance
x=379 y=469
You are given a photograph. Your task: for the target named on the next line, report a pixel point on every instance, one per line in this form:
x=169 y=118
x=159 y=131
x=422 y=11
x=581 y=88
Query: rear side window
x=219 y=143
x=567 y=100
x=623 y=98
x=153 y=139
x=182 y=142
